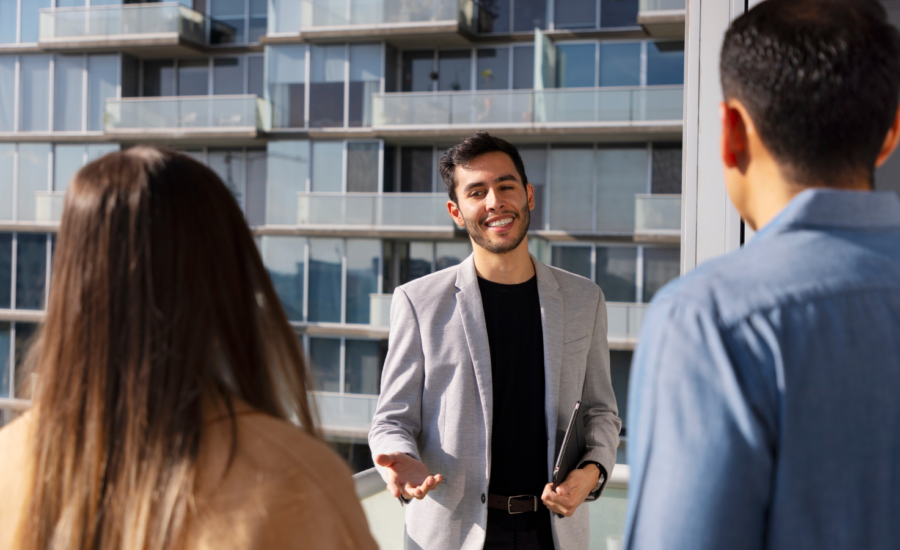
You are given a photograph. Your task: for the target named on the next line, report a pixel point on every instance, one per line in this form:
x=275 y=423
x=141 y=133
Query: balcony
x=563 y=111
x=48 y=206
x=662 y=18
x=400 y=21
x=140 y=29
x=345 y=414
x=229 y=117
x=383 y=214
x=624 y=324
x=387 y=518
x=657 y=218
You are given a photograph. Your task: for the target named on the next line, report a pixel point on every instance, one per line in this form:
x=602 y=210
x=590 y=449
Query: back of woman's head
x=159 y=306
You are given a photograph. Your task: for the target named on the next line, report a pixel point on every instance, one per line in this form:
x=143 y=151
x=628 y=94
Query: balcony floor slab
x=138 y=45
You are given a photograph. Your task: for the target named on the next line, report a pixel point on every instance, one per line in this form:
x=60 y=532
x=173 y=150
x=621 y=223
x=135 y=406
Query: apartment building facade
x=326 y=119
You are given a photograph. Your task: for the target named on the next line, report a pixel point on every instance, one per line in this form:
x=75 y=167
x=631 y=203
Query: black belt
x=515 y=505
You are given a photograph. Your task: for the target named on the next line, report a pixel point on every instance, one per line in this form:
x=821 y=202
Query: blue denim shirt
x=764 y=399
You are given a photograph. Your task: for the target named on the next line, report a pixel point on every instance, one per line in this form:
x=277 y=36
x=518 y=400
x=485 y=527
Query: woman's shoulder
x=282 y=488
x=15 y=447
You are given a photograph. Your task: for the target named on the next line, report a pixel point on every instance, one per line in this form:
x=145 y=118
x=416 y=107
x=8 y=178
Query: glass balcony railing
x=132 y=21
x=320 y=14
x=624 y=321
x=389 y=210
x=210 y=114
x=48 y=206
x=662 y=5
x=380 y=310
x=346 y=413
x=657 y=215
x=563 y=106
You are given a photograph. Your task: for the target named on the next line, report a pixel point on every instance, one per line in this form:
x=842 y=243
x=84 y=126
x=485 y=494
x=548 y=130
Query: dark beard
x=477 y=234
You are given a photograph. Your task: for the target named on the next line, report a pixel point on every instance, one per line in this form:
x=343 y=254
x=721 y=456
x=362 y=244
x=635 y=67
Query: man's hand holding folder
x=571 y=493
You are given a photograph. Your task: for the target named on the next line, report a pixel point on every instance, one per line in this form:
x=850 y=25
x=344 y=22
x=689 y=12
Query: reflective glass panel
x=159 y=78
x=325 y=356
x=5 y=270
x=529 y=15
x=5 y=371
x=535 y=160
x=284 y=258
x=449 y=254
x=328 y=166
x=455 y=70
x=661 y=265
x=363 y=257
x=31 y=270
x=68 y=85
x=35 y=93
x=494 y=16
x=8 y=21
x=229 y=165
x=7 y=91
x=666 y=168
x=325 y=276
x=7 y=163
x=574 y=259
x=287 y=172
x=621 y=174
x=416 y=169
x=575 y=65
x=193 y=77
x=665 y=63
x=326 y=90
x=523 y=67
x=287 y=88
x=33 y=177
x=576 y=14
x=364 y=362
x=255 y=207
x=256 y=76
x=362 y=167
x=228 y=76
x=618 y=13
x=616 y=273
x=102 y=83
x=420 y=258
x=418 y=71
x=31 y=19
x=620 y=64
x=365 y=79
x=67 y=159
x=571 y=193
x=493 y=69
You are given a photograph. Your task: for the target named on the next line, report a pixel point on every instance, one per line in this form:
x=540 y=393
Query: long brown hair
x=159 y=305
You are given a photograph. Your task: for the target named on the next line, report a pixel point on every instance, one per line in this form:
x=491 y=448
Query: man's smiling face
x=493 y=203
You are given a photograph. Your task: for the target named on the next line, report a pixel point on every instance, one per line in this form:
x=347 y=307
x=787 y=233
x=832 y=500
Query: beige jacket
x=284 y=489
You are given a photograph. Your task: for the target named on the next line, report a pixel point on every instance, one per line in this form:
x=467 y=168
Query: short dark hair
x=472 y=147
x=820 y=79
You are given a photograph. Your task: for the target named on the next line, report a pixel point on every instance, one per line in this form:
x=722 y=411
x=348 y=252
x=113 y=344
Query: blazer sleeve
x=398 y=416
x=601 y=415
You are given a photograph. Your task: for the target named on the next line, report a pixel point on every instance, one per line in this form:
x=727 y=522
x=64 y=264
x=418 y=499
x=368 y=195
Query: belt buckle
x=520 y=497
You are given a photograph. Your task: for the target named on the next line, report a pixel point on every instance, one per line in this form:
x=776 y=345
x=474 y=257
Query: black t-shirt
x=512 y=314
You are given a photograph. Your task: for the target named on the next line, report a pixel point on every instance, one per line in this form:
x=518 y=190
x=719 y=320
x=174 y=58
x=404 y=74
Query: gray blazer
x=436 y=396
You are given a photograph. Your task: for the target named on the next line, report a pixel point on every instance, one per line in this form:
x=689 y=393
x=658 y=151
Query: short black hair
x=472 y=147
x=820 y=79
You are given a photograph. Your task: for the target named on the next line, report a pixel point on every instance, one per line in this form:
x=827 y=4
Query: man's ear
x=529 y=192
x=890 y=141
x=734 y=134
x=454 y=213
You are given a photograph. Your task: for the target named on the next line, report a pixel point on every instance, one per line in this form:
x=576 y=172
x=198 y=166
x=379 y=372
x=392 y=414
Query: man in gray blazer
x=485 y=363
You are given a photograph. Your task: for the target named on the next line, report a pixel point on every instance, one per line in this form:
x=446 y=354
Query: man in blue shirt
x=765 y=393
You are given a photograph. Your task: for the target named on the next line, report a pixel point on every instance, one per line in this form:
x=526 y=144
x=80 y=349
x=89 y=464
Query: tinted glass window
x=620 y=64
x=326 y=91
x=449 y=254
x=455 y=70
x=159 y=78
x=228 y=76
x=8 y=21
x=661 y=265
x=667 y=168
x=618 y=13
x=418 y=71
x=616 y=273
x=365 y=79
x=493 y=69
x=284 y=258
x=193 y=78
x=31 y=270
x=362 y=167
x=7 y=162
x=362 y=277
x=325 y=276
x=325 y=356
x=575 y=65
x=7 y=91
x=5 y=371
x=67 y=159
x=416 y=169
x=68 y=84
x=287 y=89
x=31 y=19
x=33 y=177
x=530 y=15
x=494 y=16
x=665 y=63
x=5 y=270
x=576 y=14
x=574 y=259
x=571 y=189
x=287 y=171
x=327 y=168
x=102 y=84
x=621 y=175
x=35 y=93
x=523 y=67
x=365 y=360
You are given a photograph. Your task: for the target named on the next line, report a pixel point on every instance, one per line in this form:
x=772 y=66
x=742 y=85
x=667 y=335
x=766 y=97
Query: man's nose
x=493 y=201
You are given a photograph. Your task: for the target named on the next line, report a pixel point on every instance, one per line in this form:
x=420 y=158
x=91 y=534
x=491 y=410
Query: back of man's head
x=820 y=80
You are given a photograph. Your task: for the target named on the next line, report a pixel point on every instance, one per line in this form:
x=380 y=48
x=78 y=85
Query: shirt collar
x=837 y=209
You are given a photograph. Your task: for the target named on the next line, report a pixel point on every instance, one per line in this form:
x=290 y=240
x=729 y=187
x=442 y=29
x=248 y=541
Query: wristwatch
x=602 y=477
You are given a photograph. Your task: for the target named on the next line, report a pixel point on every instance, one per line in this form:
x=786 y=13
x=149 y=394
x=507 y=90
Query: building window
x=523 y=67
x=571 y=201
x=287 y=85
x=365 y=80
x=618 y=13
x=325 y=280
x=416 y=169
x=6 y=256
x=574 y=259
x=5 y=352
x=325 y=359
x=616 y=272
x=666 y=169
x=661 y=265
x=620 y=64
x=529 y=15
x=576 y=14
x=362 y=167
x=454 y=70
x=418 y=71
x=68 y=85
x=575 y=65
x=326 y=89
x=621 y=175
x=493 y=69
x=287 y=175
x=665 y=63
x=31 y=271
x=228 y=76
x=363 y=266
x=535 y=161
x=285 y=260
x=364 y=363
x=494 y=16
x=33 y=178
x=34 y=94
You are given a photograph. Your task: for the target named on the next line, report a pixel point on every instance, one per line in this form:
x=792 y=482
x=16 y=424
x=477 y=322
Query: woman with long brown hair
x=166 y=383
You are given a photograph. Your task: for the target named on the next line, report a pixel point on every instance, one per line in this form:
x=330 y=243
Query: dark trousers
x=528 y=531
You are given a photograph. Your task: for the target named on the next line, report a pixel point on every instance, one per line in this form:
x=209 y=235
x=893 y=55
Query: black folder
x=572 y=448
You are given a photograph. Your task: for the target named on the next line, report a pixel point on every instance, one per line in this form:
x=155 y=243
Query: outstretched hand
x=406 y=476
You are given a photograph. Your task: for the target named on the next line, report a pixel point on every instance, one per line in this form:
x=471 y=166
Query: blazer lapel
x=552 y=328
x=471 y=311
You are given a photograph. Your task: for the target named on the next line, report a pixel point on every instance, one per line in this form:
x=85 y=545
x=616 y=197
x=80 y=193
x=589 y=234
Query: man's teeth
x=501 y=223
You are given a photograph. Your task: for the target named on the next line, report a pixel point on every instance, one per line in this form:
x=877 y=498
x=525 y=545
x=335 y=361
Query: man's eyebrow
x=506 y=177
x=472 y=185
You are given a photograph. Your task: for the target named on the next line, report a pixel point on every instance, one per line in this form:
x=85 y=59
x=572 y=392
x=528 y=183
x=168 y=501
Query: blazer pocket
x=576 y=346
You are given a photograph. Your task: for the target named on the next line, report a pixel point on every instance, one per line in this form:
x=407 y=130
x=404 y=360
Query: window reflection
x=363 y=256
x=325 y=277
x=617 y=273
x=325 y=356
x=284 y=258
x=661 y=265
x=364 y=363
x=31 y=271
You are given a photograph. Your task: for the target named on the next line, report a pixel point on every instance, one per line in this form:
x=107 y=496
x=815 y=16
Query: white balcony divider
x=380 y=310
x=396 y=210
x=662 y=5
x=345 y=412
x=624 y=321
x=657 y=215
x=318 y=14
x=185 y=114
x=133 y=20
x=561 y=106
x=48 y=206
